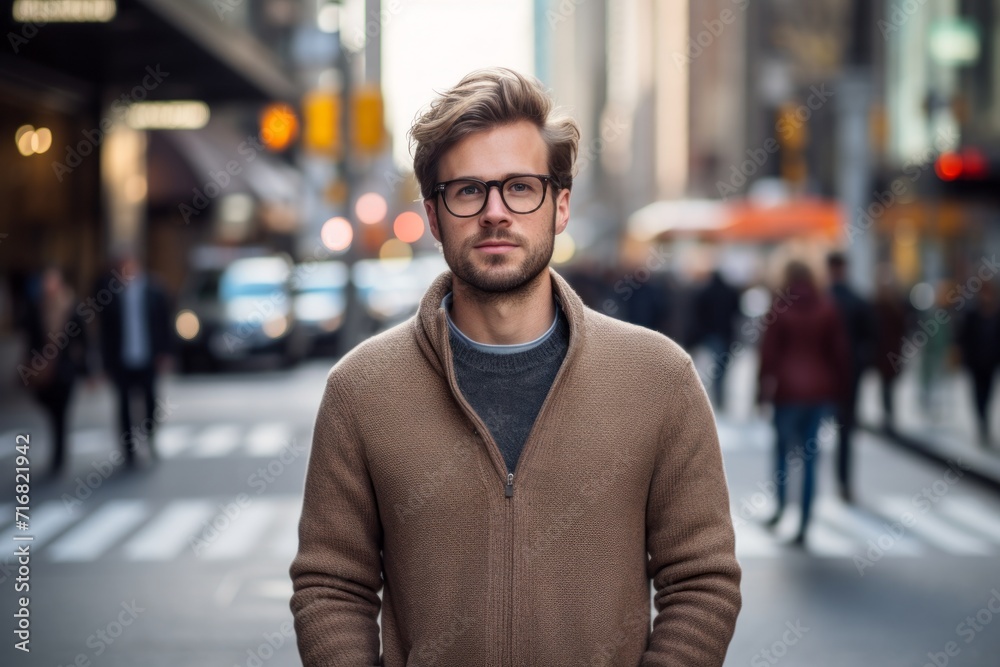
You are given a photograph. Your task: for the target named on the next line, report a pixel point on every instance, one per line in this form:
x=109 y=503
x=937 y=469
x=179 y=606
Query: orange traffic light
x=279 y=126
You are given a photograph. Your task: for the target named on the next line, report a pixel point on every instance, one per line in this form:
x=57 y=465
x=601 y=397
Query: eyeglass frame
x=489 y=185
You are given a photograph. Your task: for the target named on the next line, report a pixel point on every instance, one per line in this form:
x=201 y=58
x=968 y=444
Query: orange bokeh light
x=408 y=226
x=337 y=234
x=278 y=126
x=371 y=208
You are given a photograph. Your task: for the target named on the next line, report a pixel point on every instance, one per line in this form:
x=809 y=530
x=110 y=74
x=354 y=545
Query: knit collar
x=431 y=324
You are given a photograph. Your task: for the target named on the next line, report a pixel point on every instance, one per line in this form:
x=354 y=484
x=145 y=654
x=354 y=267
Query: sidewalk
x=946 y=432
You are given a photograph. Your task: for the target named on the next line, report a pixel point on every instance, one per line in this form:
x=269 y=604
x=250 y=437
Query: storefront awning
x=195 y=53
x=714 y=220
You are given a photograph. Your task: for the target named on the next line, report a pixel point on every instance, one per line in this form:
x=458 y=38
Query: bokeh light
x=371 y=208
x=922 y=296
x=41 y=141
x=187 y=324
x=278 y=126
x=408 y=226
x=31 y=141
x=564 y=248
x=395 y=249
x=337 y=234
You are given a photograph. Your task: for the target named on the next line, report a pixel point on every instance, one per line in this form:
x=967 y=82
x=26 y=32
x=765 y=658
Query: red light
x=974 y=164
x=948 y=166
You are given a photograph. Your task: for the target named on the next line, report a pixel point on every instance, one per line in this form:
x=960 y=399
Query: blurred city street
x=208 y=203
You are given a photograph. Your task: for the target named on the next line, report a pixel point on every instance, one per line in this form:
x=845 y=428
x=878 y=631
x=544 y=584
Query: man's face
x=470 y=243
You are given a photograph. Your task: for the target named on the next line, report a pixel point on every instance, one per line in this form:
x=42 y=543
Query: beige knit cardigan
x=620 y=482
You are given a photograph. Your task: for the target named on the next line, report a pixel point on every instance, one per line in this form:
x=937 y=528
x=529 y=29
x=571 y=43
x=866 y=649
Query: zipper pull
x=509 y=491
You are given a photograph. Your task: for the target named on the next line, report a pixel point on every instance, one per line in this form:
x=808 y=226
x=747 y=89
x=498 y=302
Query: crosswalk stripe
x=932 y=529
x=268 y=439
x=285 y=541
x=167 y=534
x=92 y=441
x=172 y=439
x=970 y=513
x=96 y=533
x=43 y=523
x=217 y=440
x=865 y=527
x=243 y=531
x=735 y=437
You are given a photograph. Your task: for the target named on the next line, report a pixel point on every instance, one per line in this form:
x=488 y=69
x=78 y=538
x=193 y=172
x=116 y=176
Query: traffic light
x=368 y=129
x=278 y=126
x=969 y=164
x=321 y=117
x=967 y=174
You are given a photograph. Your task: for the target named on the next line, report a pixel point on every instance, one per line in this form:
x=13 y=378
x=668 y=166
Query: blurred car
x=244 y=309
x=390 y=289
x=320 y=298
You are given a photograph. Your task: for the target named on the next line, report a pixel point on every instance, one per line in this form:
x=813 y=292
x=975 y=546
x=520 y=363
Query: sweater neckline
x=552 y=347
x=430 y=323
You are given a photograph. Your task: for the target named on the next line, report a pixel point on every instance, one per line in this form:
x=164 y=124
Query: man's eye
x=520 y=187
x=469 y=190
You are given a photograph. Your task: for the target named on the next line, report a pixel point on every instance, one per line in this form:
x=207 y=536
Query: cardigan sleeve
x=690 y=538
x=336 y=574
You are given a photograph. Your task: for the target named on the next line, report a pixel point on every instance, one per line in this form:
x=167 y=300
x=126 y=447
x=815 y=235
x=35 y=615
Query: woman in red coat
x=804 y=365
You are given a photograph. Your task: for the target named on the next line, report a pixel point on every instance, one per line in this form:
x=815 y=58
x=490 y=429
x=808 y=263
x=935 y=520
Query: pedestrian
x=979 y=343
x=57 y=333
x=857 y=317
x=937 y=360
x=511 y=465
x=890 y=329
x=804 y=373
x=716 y=307
x=136 y=345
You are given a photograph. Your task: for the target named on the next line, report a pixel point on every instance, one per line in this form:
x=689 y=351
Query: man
x=510 y=465
x=859 y=322
x=136 y=343
x=716 y=307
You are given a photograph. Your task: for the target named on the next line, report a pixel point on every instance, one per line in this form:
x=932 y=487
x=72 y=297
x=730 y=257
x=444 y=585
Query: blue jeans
x=797 y=427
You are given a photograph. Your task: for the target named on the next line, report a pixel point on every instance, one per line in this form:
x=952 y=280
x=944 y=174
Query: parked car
x=245 y=309
x=320 y=298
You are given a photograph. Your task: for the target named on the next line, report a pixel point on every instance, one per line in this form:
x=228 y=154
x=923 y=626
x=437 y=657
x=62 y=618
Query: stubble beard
x=486 y=285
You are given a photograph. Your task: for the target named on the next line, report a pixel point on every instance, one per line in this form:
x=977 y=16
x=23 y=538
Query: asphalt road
x=185 y=561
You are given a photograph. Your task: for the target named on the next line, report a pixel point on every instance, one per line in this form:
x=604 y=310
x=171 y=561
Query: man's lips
x=496 y=246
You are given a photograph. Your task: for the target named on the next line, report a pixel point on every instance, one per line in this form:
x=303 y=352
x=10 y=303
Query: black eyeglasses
x=520 y=193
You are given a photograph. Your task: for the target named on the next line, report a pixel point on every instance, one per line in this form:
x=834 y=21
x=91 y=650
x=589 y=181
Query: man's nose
x=496 y=210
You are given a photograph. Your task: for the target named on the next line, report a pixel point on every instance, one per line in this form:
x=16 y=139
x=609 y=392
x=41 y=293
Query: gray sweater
x=506 y=384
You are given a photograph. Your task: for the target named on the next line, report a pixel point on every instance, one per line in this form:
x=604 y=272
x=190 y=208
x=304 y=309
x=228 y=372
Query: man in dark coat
x=857 y=317
x=979 y=340
x=136 y=344
x=716 y=307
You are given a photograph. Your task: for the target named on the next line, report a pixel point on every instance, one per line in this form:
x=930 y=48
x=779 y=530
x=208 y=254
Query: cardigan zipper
x=510 y=591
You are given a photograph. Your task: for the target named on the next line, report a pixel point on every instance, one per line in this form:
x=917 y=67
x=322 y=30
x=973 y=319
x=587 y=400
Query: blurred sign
x=368 y=128
x=321 y=116
x=954 y=41
x=64 y=11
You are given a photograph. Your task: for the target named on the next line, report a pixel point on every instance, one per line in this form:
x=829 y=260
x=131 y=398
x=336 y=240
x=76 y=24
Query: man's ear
x=430 y=208
x=562 y=210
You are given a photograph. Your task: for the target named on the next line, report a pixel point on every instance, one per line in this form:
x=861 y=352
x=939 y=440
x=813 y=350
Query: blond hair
x=485 y=99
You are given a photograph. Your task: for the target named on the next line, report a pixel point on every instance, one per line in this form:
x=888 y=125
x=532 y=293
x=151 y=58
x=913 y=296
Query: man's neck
x=519 y=319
